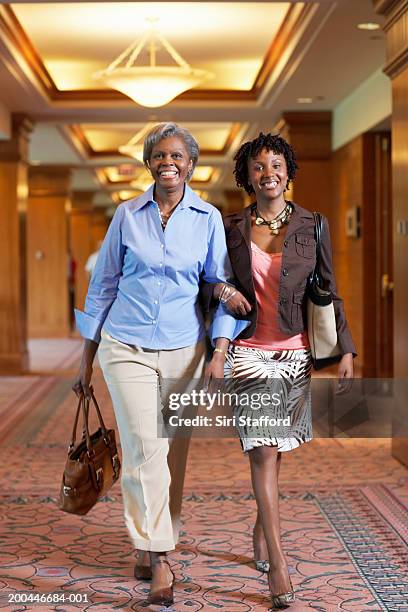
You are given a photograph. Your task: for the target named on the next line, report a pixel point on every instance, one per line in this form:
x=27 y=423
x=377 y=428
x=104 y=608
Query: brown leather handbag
x=92 y=466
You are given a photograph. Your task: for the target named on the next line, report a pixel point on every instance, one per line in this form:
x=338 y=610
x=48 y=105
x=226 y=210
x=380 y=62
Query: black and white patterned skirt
x=285 y=420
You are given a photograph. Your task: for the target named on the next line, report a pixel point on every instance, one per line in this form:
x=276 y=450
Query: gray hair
x=166 y=130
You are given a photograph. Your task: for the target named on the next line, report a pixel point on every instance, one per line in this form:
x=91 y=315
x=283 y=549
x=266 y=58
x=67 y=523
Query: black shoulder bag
x=321 y=319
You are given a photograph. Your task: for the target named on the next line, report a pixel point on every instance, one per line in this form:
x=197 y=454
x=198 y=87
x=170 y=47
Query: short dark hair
x=270 y=142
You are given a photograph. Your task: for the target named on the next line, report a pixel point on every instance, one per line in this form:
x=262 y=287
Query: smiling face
x=268 y=175
x=170 y=163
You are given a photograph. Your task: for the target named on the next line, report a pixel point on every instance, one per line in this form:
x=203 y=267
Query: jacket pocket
x=305 y=245
x=298 y=302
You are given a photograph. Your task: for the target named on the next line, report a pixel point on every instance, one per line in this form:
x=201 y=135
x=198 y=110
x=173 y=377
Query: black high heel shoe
x=162 y=596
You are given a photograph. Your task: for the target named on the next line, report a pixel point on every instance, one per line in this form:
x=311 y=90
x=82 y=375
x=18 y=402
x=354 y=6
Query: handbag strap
x=83 y=405
x=85 y=433
x=318 y=228
x=101 y=421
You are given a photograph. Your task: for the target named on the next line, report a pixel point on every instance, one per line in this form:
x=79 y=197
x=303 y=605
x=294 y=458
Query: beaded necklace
x=275 y=224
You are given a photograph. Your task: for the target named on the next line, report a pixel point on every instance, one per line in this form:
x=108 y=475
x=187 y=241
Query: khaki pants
x=152 y=468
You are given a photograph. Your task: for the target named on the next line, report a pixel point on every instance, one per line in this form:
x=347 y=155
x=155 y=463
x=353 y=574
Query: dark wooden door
x=384 y=256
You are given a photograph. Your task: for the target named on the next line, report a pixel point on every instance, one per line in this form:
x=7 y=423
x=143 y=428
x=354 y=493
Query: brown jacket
x=298 y=261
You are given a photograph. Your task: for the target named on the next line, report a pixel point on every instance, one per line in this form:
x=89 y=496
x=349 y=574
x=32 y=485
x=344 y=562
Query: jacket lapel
x=243 y=224
x=300 y=217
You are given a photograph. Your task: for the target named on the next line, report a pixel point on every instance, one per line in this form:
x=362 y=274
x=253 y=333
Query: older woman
x=272 y=249
x=142 y=313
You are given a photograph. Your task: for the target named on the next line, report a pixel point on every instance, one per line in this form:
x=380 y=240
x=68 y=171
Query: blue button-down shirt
x=144 y=288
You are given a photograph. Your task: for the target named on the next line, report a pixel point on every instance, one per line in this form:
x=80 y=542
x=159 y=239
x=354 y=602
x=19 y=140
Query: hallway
x=345 y=527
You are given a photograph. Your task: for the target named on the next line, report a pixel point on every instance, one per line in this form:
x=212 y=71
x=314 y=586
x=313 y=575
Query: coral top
x=266 y=270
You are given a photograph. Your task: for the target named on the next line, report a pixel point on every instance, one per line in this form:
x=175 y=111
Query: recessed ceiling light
x=35 y=162
x=369 y=26
x=304 y=100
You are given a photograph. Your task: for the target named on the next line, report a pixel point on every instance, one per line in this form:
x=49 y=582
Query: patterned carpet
x=343 y=505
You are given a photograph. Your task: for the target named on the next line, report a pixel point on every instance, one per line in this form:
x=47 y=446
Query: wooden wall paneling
x=400 y=250
x=14 y=357
x=400 y=214
x=396 y=29
x=47 y=240
x=309 y=133
x=312 y=187
x=348 y=252
x=384 y=255
x=81 y=241
x=370 y=244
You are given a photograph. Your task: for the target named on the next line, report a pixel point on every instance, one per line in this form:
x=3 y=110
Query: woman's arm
x=83 y=379
x=217 y=269
x=215 y=367
x=101 y=294
x=233 y=299
x=345 y=341
x=217 y=274
x=104 y=283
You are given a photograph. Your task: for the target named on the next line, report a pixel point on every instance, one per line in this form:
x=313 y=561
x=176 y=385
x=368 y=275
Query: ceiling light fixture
x=134 y=147
x=369 y=26
x=153 y=85
x=304 y=100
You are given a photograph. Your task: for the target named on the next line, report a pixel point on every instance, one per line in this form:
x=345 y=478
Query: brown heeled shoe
x=142 y=571
x=162 y=596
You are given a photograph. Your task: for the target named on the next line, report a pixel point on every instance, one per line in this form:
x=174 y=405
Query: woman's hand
x=214 y=369
x=345 y=373
x=82 y=382
x=238 y=304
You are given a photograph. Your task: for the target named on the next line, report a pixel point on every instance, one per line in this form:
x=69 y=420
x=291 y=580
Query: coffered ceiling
x=75 y=40
x=263 y=55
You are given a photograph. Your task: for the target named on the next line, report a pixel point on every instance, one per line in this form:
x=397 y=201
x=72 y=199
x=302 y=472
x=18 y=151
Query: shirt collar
x=190 y=200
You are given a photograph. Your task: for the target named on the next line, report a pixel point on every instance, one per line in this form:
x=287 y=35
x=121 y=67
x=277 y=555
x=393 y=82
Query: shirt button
x=162 y=246
x=160 y=264
x=285 y=272
x=159 y=283
x=285 y=243
x=154 y=321
x=156 y=302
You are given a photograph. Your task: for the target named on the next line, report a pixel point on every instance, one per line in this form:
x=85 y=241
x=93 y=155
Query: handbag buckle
x=115 y=465
x=99 y=477
x=66 y=489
